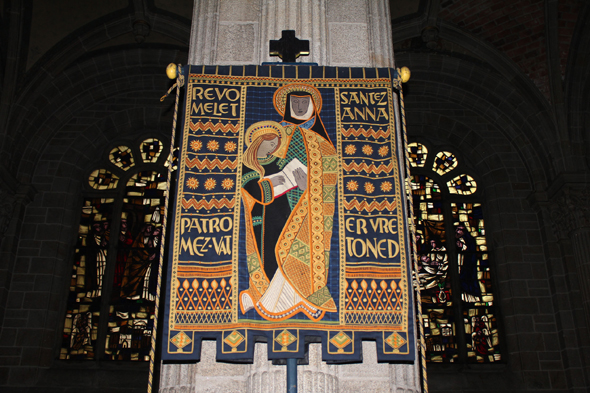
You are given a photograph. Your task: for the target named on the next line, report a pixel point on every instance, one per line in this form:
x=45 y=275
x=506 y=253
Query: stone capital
x=569 y=211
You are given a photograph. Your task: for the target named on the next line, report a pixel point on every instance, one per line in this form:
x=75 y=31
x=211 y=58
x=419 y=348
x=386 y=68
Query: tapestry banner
x=288 y=222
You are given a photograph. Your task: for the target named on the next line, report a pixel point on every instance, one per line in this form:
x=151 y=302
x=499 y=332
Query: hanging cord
x=179 y=83
x=410 y=199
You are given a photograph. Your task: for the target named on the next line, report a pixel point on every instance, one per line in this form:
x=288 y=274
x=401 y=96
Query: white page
x=288 y=176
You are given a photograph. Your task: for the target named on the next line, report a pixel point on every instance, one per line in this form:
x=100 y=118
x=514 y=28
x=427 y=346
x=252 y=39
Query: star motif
x=227 y=184
x=192 y=183
x=350 y=150
x=352 y=185
x=196 y=145
x=213 y=145
x=210 y=184
x=230 y=147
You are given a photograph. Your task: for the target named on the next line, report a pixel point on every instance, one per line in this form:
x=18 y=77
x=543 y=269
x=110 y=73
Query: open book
x=288 y=177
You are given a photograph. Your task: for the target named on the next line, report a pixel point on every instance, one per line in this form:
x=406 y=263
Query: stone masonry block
x=236 y=43
x=15 y=300
x=537 y=380
x=23 y=376
x=347 y=11
x=239 y=11
x=43 y=265
x=529 y=360
x=36 y=301
x=29 y=337
x=209 y=367
x=348 y=44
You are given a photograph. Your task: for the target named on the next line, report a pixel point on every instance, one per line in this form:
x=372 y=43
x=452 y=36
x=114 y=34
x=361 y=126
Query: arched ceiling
x=53 y=21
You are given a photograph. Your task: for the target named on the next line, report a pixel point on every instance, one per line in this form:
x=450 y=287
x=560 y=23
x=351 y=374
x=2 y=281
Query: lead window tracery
x=111 y=302
x=457 y=298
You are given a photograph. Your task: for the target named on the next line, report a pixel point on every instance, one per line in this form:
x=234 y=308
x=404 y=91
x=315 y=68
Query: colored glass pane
x=462 y=185
x=122 y=157
x=440 y=335
x=151 y=149
x=132 y=305
x=472 y=260
x=453 y=269
x=102 y=179
x=86 y=286
x=470 y=217
x=418 y=154
x=481 y=336
x=174 y=161
x=424 y=188
x=431 y=241
x=444 y=162
x=435 y=283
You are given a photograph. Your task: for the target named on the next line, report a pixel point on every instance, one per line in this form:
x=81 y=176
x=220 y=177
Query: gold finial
x=171 y=71
x=405 y=74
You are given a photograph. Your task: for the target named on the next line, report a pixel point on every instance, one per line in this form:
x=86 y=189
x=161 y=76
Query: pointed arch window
x=459 y=311
x=111 y=302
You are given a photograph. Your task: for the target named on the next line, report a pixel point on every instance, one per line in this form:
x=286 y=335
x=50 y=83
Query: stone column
x=12 y=210
x=570 y=216
x=350 y=33
x=346 y=33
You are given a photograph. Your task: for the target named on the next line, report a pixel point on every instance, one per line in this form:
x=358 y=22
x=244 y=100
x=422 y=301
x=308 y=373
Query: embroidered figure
x=288 y=190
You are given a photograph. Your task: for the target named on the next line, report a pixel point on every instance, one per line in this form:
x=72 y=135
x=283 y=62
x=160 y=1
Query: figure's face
x=459 y=232
x=267 y=147
x=301 y=107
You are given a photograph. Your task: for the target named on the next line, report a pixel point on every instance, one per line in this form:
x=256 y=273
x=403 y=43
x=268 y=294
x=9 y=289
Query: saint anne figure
x=288 y=190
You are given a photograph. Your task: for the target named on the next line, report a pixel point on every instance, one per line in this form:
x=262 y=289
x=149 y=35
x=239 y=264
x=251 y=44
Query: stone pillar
x=370 y=376
x=570 y=216
x=12 y=210
x=207 y=376
x=347 y=33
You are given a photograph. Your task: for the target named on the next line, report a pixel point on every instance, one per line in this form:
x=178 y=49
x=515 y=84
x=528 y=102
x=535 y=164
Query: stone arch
x=577 y=88
x=458 y=102
x=458 y=86
x=479 y=48
x=83 y=94
x=61 y=138
x=97 y=34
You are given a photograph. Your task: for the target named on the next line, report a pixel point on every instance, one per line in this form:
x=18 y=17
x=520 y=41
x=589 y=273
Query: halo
x=265 y=127
x=280 y=97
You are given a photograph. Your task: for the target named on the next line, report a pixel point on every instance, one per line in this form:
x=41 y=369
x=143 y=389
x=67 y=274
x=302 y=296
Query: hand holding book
x=294 y=174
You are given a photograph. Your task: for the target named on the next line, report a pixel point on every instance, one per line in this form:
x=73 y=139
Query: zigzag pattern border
x=354 y=166
x=210 y=164
x=369 y=207
x=225 y=128
x=205 y=204
x=370 y=133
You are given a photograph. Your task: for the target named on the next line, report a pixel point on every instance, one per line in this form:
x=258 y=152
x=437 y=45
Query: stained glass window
x=90 y=256
x=151 y=149
x=444 y=162
x=111 y=303
x=458 y=310
x=122 y=156
x=462 y=184
x=103 y=179
x=417 y=153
